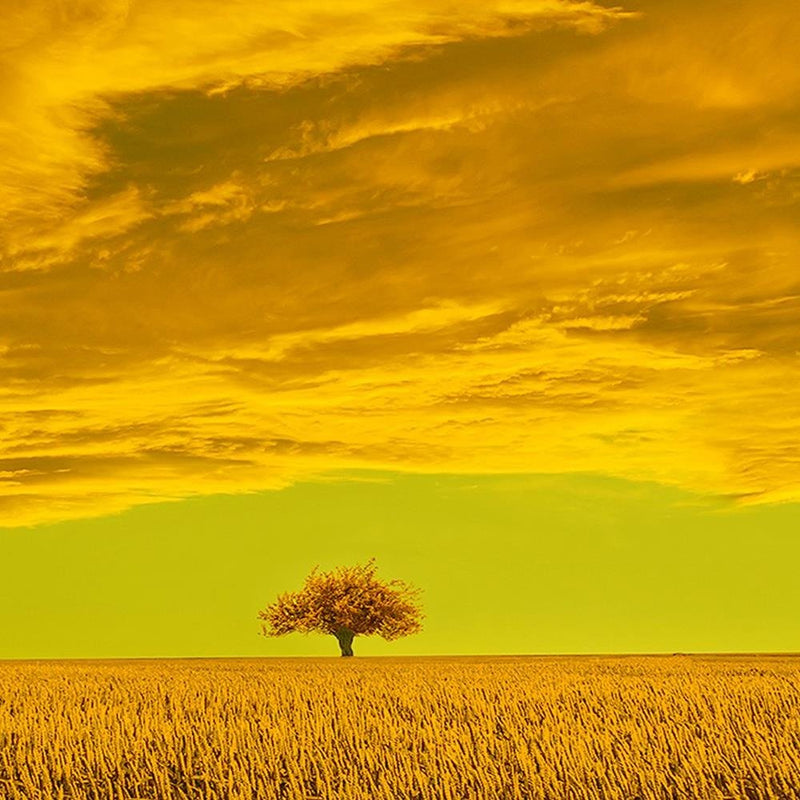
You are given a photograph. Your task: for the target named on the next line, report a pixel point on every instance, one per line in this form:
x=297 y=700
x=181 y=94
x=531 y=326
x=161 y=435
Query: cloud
x=63 y=63
x=242 y=249
x=96 y=221
x=220 y=204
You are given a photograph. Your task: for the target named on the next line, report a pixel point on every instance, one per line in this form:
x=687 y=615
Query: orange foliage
x=349 y=599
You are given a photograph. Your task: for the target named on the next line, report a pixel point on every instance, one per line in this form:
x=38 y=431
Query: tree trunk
x=345 y=639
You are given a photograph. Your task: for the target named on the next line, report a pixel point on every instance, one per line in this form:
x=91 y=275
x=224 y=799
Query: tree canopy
x=346 y=602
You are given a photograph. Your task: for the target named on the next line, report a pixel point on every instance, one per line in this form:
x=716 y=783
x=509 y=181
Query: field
x=372 y=728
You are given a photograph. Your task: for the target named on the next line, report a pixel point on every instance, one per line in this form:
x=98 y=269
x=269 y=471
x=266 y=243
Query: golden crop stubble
x=401 y=728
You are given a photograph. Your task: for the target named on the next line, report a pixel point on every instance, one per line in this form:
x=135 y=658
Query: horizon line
x=635 y=654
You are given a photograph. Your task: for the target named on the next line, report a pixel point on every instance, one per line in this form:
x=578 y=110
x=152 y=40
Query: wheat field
x=367 y=728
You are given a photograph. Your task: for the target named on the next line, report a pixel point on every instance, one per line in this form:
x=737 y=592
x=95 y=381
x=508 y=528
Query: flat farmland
x=578 y=727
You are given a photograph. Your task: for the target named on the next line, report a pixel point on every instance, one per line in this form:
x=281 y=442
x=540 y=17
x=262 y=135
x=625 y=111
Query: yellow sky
x=244 y=244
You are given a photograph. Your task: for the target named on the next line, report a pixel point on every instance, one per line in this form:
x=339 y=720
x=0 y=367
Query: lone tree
x=347 y=602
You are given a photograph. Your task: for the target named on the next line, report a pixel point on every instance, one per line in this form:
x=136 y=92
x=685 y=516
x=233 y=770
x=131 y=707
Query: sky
x=492 y=284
